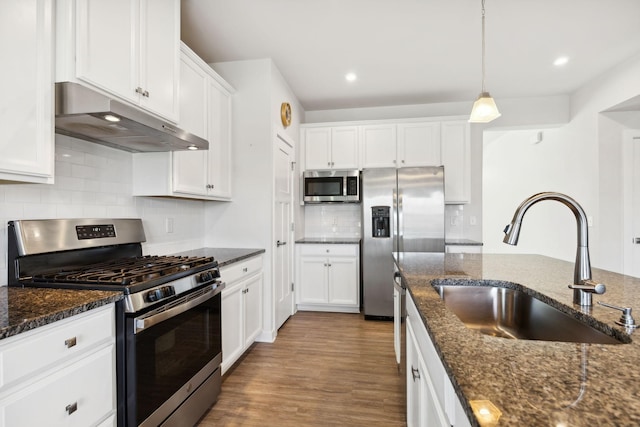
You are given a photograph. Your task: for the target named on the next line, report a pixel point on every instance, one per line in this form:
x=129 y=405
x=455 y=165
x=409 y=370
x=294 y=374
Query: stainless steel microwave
x=338 y=186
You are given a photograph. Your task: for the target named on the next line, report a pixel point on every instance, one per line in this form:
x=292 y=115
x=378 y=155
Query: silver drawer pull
x=71 y=342
x=244 y=270
x=72 y=408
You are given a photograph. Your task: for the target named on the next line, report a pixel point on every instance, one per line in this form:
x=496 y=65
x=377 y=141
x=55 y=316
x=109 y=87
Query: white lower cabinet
x=241 y=308
x=65 y=370
x=328 y=277
x=431 y=399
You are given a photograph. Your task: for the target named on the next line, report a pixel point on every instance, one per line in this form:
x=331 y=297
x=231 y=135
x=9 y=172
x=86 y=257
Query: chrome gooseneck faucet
x=583 y=287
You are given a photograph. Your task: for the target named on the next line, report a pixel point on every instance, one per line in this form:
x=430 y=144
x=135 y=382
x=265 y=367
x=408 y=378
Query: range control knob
x=205 y=277
x=160 y=293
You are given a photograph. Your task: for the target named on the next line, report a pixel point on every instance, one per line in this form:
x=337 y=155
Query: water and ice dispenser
x=380 y=224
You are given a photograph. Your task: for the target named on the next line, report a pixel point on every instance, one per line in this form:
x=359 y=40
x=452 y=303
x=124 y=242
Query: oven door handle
x=151 y=319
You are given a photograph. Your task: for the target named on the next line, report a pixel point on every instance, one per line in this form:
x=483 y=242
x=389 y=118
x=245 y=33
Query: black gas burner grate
x=125 y=271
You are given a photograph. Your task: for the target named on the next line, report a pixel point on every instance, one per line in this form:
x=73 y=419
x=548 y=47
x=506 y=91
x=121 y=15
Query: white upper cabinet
x=456 y=161
x=379 y=146
x=127 y=48
x=205 y=106
x=419 y=144
x=331 y=147
x=26 y=105
x=403 y=143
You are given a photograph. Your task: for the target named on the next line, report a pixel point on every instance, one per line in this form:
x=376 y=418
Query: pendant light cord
x=483 y=53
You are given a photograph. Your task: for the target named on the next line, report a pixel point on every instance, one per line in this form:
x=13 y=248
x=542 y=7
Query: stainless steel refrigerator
x=402 y=211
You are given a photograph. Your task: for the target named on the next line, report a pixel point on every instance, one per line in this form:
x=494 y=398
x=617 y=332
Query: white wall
x=248 y=220
x=582 y=158
x=93 y=181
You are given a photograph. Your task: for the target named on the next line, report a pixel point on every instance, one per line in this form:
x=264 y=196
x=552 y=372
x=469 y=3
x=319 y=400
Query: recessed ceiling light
x=192 y=147
x=560 y=61
x=351 y=77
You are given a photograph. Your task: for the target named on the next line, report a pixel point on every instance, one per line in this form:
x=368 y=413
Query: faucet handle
x=590 y=286
x=626 y=319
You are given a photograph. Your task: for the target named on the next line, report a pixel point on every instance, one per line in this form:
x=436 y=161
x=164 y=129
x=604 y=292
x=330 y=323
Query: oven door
x=171 y=352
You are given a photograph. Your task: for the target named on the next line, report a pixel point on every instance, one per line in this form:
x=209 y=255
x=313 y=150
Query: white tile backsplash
x=333 y=220
x=92 y=180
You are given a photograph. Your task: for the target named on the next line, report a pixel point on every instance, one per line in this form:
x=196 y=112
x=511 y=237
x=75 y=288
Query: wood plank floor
x=324 y=369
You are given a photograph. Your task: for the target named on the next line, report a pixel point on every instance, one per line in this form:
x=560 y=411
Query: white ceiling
x=417 y=51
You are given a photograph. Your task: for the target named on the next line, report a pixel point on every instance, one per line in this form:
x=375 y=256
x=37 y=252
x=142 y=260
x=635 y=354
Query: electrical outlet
x=169 y=225
x=472 y=220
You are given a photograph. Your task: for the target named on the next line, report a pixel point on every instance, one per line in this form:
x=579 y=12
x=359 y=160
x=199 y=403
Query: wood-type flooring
x=324 y=369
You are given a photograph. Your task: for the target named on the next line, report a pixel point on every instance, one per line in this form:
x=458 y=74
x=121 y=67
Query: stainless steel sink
x=510 y=313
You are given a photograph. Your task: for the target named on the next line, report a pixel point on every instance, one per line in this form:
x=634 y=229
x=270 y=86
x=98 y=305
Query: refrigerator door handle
x=400 y=225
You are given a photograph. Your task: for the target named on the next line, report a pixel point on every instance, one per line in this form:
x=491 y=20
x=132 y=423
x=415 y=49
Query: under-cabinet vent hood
x=85 y=114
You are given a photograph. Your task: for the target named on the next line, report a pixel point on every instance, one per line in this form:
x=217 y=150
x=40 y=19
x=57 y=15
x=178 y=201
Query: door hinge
x=293 y=227
x=292 y=286
x=293 y=166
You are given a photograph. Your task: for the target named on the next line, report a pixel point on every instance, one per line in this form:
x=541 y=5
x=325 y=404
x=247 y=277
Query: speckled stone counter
x=533 y=383
x=330 y=240
x=462 y=242
x=23 y=309
x=224 y=256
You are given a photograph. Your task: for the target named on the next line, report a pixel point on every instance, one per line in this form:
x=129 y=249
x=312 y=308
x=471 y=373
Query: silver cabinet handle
x=71 y=408
x=71 y=342
x=139 y=90
x=279 y=243
x=415 y=373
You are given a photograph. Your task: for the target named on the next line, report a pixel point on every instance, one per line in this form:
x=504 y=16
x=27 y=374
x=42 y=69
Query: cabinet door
x=419 y=144
x=313 y=278
x=190 y=167
x=414 y=386
x=378 y=146
x=232 y=325
x=107 y=45
x=343 y=281
x=344 y=147
x=318 y=148
x=219 y=162
x=159 y=56
x=252 y=309
x=455 y=158
x=26 y=105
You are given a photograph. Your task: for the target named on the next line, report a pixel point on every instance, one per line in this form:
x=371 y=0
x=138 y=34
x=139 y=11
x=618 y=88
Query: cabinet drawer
x=50 y=345
x=329 y=250
x=241 y=269
x=86 y=388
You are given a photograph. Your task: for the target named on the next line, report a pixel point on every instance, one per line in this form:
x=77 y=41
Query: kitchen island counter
x=23 y=309
x=532 y=383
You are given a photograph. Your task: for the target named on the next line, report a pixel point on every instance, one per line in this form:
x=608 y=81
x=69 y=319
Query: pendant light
x=484 y=109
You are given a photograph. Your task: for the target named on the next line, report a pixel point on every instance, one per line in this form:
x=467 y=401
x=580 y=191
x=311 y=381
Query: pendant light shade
x=484 y=109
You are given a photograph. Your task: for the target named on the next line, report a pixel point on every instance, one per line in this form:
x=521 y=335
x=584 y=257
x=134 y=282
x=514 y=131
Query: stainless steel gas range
x=169 y=346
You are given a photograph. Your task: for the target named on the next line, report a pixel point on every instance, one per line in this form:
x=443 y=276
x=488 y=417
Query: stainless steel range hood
x=85 y=114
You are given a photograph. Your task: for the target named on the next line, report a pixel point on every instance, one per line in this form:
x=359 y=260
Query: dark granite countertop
x=23 y=309
x=330 y=240
x=533 y=383
x=224 y=256
x=462 y=242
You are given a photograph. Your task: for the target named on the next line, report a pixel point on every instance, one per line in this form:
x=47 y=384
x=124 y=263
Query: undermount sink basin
x=510 y=313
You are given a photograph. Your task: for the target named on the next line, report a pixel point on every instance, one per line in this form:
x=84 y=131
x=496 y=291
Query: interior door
x=631 y=152
x=283 y=235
